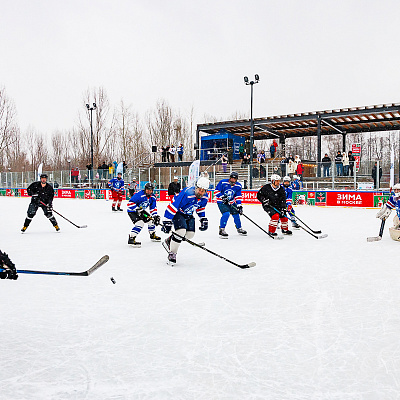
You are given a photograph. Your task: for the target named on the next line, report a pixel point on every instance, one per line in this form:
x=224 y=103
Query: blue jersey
x=186 y=203
x=233 y=193
x=141 y=201
x=116 y=184
x=289 y=195
x=394 y=203
x=297 y=185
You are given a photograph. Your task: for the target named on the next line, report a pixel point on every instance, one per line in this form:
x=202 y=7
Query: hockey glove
x=225 y=199
x=204 y=224
x=156 y=220
x=8 y=274
x=240 y=209
x=167 y=226
x=384 y=213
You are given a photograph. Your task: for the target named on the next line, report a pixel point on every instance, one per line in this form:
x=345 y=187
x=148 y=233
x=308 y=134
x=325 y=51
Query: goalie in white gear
x=385 y=211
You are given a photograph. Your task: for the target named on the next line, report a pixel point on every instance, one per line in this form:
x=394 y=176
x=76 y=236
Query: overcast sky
x=310 y=55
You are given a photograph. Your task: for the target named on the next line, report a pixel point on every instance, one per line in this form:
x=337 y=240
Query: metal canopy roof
x=384 y=117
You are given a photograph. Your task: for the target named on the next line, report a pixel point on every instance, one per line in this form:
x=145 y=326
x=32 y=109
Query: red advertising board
x=66 y=193
x=350 y=199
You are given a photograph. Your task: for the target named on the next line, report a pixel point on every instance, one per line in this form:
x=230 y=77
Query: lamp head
x=246 y=79
x=87 y=106
x=257 y=77
x=94 y=106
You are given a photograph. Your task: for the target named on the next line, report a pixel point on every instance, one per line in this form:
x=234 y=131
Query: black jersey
x=45 y=194
x=277 y=197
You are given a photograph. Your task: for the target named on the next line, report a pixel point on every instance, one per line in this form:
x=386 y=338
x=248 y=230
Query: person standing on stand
x=374 y=175
x=42 y=196
x=117 y=187
x=179 y=213
x=229 y=200
x=272 y=196
x=326 y=163
x=174 y=187
x=180 y=152
x=172 y=152
x=351 y=163
x=224 y=162
x=339 y=163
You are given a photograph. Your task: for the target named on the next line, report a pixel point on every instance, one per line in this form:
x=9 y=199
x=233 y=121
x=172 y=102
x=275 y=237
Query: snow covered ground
x=315 y=319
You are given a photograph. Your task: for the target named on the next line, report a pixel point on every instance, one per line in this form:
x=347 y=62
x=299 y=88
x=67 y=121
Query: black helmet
x=149 y=186
x=234 y=175
x=43 y=176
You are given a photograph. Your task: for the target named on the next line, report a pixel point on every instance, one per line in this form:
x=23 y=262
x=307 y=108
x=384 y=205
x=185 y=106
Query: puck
x=112 y=280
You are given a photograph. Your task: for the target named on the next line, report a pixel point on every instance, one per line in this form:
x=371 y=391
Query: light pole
x=251 y=83
x=69 y=171
x=91 y=134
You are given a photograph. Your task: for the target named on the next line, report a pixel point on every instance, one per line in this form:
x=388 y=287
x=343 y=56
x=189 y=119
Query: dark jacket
x=277 y=198
x=45 y=194
x=174 y=188
x=326 y=160
x=373 y=174
x=352 y=159
x=339 y=159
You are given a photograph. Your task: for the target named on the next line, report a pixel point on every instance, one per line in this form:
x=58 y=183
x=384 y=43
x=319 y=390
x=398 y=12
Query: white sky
x=310 y=55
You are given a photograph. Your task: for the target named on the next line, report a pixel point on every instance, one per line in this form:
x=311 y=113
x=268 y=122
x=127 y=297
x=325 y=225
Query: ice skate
x=132 y=241
x=166 y=244
x=223 y=234
x=241 y=232
x=287 y=232
x=154 y=237
x=171 y=258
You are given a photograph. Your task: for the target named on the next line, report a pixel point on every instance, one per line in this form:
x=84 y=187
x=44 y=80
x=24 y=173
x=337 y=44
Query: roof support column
x=344 y=142
x=282 y=140
x=319 y=145
x=197 y=144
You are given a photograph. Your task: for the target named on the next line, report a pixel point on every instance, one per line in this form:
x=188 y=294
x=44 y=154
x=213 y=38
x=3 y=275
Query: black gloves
x=204 y=224
x=167 y=226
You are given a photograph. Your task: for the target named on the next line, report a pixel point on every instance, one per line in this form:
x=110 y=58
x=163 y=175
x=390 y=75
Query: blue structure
x=213 y=146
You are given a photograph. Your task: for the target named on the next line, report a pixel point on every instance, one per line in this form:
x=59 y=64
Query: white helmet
x=295 y=177
x=396 y=186
x=286 y=178
x=203 y=183
x=275 y=177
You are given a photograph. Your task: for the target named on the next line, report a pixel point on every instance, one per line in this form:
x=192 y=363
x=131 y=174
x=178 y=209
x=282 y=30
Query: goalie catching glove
x=384 y=213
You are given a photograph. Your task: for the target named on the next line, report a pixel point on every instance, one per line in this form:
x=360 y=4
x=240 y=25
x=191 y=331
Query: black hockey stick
x=258 y=226
x=312 y=230
x=96 y=266
x=379 y=237
x=78 y=226
x=243 y=266
x=323 y=236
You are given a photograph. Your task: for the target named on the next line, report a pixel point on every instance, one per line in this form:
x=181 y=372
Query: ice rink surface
x=315 y=319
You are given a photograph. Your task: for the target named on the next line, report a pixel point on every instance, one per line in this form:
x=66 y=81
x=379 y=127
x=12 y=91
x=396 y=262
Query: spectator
x=100 y=171
x=132 y=187
x=104 y=168
x=115 y=167
x=291 y=169
x=172 y=152
x=339 y=163
x=224 y=162
x=167 y=152
x=283 y=166
x=241 y=151
x=174 y=187
x=230 y=155
x=124 y=166
x=74 y=175
x=276 y=146
x=163 y=154
x=346 y=164
x=351 y=163
x=300 y=169
x=180 y=152
x=272 y=150
x=90 y=171
x=326 y=163
x=374 y=175
x=110 y=170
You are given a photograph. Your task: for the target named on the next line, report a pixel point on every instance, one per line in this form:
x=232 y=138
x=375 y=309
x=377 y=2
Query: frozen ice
x=314 y=319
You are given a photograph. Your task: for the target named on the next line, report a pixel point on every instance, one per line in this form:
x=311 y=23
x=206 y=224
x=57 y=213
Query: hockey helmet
x=203 y=183
x=295 y=177
x=148 y=186
x=43 y=176
x=396 y=186
x=234 y=175
x=275 y=177
x=286 y=178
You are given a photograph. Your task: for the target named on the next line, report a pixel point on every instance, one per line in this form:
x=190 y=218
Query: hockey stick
x=379 y=237
x=258 y=226
x=78 y=226
x=312 y=230
x=242 y=266
x=96 y=266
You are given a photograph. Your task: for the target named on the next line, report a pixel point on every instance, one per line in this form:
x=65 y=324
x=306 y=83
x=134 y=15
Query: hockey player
x=273 y=199
x=289 y=194
x=180 y=214
x=297 y=184
x=42 y=196
x=117 y=187
x=137 y=212
x=384 y=212
x=8 y=270
x=229 y=200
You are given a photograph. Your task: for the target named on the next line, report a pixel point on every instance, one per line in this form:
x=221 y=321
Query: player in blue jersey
x=180 y=214
x=117 y=186
x=229 y=200
x=384 y=212
x=137 y=211
x=289 y=194
x=297 y=184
